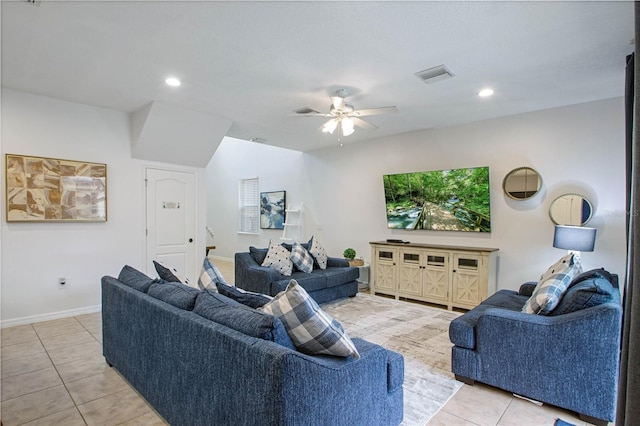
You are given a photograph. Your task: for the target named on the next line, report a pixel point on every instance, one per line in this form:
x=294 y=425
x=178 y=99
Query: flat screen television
x=441 y=200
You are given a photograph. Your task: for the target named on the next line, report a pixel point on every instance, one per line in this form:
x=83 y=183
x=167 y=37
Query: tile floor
x=53 y=373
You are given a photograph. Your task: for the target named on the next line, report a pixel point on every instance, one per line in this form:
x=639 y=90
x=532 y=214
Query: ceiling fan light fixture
x=330 y=126
x=172 y=81
x=347 y=126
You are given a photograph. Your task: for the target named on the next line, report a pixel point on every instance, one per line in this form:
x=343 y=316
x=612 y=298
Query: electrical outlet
x=62 y=282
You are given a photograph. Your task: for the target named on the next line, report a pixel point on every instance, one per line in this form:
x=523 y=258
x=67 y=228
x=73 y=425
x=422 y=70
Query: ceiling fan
x=343 y=116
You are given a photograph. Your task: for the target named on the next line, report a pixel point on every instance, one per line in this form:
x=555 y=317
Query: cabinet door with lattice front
x=436 y=276
x=466 y=280
x=385 y=270
x=410 y=273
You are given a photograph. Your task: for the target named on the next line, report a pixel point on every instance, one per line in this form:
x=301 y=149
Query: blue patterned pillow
x=278 y=258
x=312 y=331
x=170 y=274
x=552 y=285
x=210 y=276
x=301 y=258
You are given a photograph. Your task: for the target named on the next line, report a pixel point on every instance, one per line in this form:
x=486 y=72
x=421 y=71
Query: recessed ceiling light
x=485 y=92
x=173 y=82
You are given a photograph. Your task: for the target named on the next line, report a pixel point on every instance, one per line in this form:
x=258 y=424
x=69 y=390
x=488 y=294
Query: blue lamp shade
x=577 y=238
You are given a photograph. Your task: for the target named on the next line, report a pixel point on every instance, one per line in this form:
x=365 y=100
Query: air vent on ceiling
x=432 y=75
x=305 y=110
x=257 y=140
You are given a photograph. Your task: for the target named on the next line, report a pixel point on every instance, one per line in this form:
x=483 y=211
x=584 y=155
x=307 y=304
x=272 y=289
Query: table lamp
x=576 y=239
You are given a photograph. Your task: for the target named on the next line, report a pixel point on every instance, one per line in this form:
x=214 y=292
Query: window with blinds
x=248 y=210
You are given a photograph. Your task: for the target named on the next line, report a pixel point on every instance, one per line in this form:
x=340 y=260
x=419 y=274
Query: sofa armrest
x=527 y=288
x=337 y=262
x=253 y=277
x=368 y=383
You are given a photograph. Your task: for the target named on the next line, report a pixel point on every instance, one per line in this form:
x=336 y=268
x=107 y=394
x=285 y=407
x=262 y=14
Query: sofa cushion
x=585 y=294
x=593 y=273
x=223 y=310
x=318 y=252
x=339 y=276
x=258 y=254
x=209 y=276
x=168 y=273
x=247 y=298
x=278 y=258
x=462 y=329
x=135 y=279
x=552 y=285
x=311 y=282
x=312 y=330
x=301 y=258
x=177 y=294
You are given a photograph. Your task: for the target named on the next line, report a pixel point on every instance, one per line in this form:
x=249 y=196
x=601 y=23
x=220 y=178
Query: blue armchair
x=569 y=358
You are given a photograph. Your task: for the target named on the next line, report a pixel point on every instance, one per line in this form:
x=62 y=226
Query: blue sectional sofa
x=569 y=358
x=202 y=359
x=336 y=281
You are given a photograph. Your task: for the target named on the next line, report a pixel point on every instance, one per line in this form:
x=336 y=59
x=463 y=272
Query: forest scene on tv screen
x=443 y=200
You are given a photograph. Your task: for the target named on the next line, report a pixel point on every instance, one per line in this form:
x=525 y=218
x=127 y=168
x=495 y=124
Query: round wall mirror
x=522 y=183
x=570 y=209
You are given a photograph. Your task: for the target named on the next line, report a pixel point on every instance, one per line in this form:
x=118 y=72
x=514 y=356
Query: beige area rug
x=419 y=333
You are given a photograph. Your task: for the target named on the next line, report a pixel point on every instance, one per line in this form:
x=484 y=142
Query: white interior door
x=171 y=213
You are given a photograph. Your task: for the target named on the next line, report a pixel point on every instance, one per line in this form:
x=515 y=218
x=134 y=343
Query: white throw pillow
x=278 y=258
x=318 y=252
x=552 y=286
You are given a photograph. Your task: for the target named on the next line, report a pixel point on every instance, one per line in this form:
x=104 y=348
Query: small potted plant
x=350 y=254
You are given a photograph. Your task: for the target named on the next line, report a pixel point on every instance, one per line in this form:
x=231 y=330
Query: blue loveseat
x=336 y=281
x=568 y=359
x=200 y=358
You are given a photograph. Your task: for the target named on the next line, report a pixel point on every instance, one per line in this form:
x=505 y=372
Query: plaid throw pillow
x=301 y=258
x=278 y=258
x=312 y=331
x=318 y=252
x=209 y=276
x=170 y=274
x=551 y=287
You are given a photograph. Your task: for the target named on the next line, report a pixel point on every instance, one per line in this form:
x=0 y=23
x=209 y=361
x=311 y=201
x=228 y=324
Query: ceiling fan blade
x=365 y=125
x=374 y=111
x=309 y=114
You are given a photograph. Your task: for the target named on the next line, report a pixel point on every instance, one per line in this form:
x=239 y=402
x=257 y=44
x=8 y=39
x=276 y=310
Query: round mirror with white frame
x=522 y=183
x=571 y=209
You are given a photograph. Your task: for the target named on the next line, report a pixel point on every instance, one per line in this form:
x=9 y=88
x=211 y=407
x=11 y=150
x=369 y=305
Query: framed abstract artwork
x=272 y=209
x=43 y=189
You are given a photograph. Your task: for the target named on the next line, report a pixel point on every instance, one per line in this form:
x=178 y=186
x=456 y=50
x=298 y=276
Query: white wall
x=34 y=255
x=575 y=149
x=277 y=169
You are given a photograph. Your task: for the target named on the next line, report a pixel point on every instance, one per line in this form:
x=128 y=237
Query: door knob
x=190 y=240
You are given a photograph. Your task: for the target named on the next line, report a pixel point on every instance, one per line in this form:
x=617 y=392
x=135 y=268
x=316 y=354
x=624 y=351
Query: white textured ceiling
x=255 y=62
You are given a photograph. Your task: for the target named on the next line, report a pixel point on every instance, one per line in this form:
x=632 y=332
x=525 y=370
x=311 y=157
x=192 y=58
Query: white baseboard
x=50 y=316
